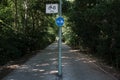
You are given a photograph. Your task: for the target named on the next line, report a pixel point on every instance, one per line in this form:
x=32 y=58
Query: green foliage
x=23 y=30
x=96 y=27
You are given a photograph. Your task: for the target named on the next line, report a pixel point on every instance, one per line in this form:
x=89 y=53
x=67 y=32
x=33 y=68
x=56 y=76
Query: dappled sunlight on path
x=44 y=66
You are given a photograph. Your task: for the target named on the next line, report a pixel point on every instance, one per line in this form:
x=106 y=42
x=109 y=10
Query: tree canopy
x=24 y=27
x=94 y=25
x=91 y=25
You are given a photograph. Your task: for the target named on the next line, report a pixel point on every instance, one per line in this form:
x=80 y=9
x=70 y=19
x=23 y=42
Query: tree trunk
x=16 y=13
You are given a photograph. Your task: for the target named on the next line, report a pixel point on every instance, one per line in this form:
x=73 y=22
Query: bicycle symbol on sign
x=52 y=8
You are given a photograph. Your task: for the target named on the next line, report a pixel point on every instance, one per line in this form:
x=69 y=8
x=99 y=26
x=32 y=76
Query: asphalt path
x=44 y=66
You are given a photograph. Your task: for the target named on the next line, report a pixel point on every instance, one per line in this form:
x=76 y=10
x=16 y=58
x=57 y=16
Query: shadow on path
x=44 y=66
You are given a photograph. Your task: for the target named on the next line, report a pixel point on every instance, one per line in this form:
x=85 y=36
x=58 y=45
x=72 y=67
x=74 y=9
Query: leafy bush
x=96 y=24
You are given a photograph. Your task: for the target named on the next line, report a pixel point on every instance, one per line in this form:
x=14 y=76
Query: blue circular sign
x=59 y=21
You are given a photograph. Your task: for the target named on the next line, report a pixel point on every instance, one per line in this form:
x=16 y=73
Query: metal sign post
x=59 y=22
x=60 y=42
x=53 y=8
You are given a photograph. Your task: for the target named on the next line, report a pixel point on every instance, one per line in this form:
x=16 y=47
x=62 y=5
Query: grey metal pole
x=60 y=7
x=60 y=42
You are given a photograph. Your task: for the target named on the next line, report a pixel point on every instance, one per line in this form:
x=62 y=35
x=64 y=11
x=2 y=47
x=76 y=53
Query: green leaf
x=1 y=21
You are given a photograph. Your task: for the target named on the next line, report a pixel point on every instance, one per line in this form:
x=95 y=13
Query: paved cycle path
x=44 y=65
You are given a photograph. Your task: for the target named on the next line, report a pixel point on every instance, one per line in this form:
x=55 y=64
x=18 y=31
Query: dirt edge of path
x=100 y=64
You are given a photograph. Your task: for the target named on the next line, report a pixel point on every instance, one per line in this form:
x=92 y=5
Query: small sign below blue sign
x=59 y=21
